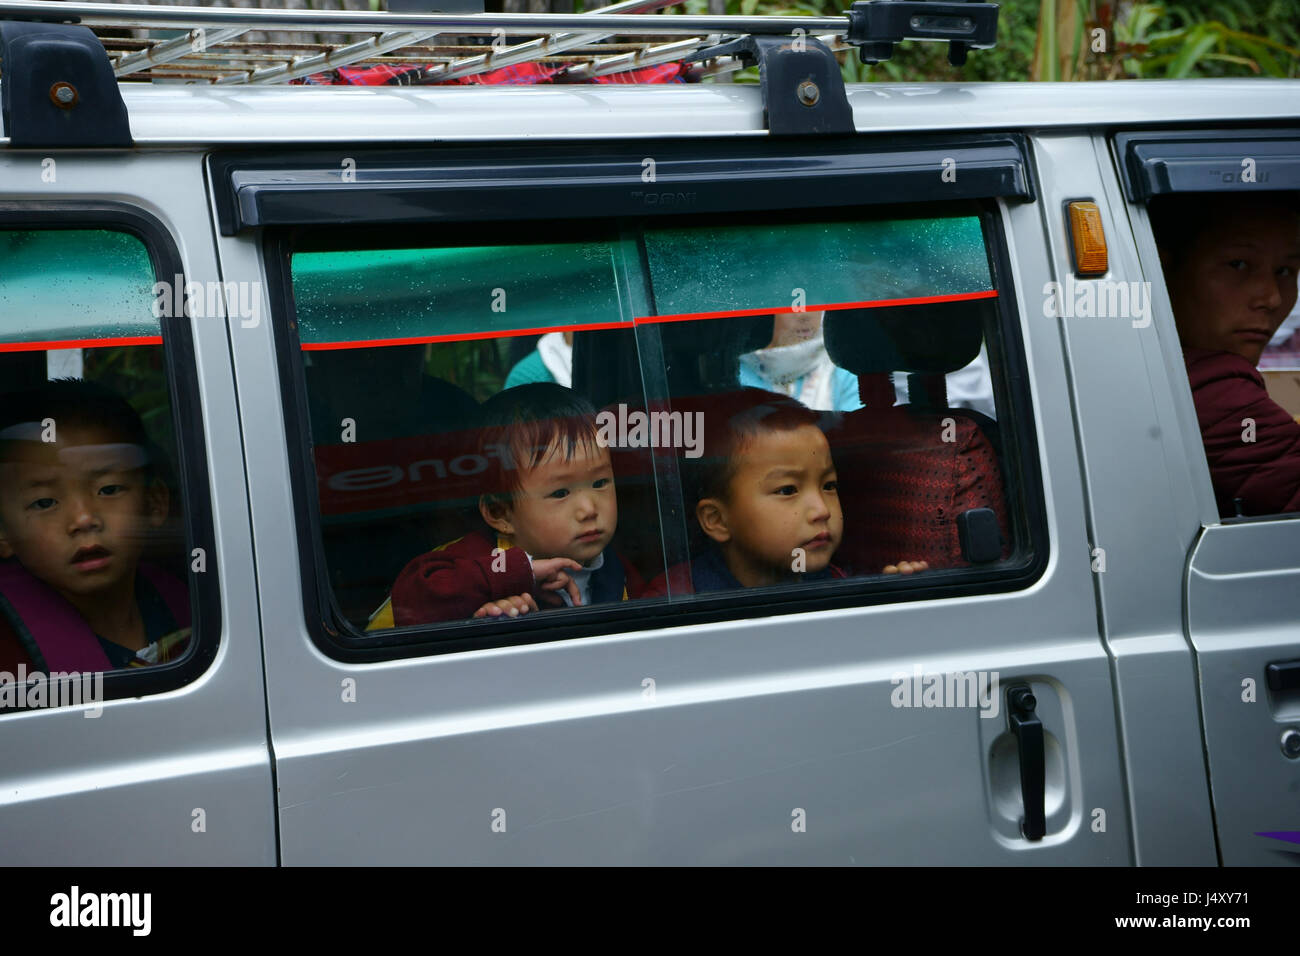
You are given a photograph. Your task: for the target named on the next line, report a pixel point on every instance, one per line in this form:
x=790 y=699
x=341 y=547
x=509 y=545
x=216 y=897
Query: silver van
x=308 y=294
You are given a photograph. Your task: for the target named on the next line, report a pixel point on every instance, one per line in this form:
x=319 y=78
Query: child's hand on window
x=511 y=606
x=907 y=567
x=551 y=575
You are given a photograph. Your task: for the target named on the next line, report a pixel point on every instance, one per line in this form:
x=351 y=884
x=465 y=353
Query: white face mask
x=557 y=356
x=784 y=364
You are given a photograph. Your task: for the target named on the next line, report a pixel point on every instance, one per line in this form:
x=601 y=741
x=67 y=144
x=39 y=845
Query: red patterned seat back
x=902 y=485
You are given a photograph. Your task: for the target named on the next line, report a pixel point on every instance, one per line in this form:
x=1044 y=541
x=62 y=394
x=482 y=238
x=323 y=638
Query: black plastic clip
x=803 y=88
x=979 y=535
x=876 y=25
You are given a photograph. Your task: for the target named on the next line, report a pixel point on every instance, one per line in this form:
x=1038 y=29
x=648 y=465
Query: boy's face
x=1238 y=282
x=563 y=509
x=76 y=512
x=782 y=497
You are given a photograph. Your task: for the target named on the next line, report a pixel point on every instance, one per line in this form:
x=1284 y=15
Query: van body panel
x=762 y=739
x=174 y=114
x=1243 y=602
x=1239 y=588
x=742 y=741
x=1137 y=538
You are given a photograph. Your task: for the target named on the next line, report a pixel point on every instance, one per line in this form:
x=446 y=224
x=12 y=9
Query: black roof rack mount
x=58 y=88
x=803 y=89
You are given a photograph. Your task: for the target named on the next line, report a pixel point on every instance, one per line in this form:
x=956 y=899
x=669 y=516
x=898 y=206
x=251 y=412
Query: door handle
x=1283 y=675
x=1028 y=731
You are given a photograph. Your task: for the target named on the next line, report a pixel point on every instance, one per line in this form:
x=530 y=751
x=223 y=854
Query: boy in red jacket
x=1230 y=262
x=550 y=514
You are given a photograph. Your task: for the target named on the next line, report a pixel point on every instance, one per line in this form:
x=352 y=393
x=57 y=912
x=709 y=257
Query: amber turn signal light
x=1089 y=239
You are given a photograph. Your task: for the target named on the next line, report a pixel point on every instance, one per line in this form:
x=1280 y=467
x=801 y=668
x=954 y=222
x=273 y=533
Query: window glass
x=94 y=564
x=868 y=322
x=661 y=413
x=451 y=294
x=724 y=268
x=403 y=351
x=1280 y=364
x=69 y=284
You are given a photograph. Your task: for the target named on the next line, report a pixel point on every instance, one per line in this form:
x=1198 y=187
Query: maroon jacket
x=1265 y=473
x=454 y=581
x=457 y=579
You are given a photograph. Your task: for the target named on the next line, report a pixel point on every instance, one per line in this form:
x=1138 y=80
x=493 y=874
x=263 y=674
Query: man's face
x=76 y=512
x=564 y=509
x=1238 y=282
x=782 y=497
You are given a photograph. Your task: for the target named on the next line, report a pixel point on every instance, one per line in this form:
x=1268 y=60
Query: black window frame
x=191 y=440
x=458 y=182
x=339 y=639
x=1166 y=160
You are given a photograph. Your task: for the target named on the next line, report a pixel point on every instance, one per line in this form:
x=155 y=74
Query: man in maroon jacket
x=1230 y=261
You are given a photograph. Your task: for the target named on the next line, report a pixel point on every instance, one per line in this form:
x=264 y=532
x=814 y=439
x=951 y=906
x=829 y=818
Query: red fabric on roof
x=522 y=74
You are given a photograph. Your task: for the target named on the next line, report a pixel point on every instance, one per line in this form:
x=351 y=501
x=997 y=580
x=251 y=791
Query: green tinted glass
x=422 y=293
x=724 y=268
x=67 y=284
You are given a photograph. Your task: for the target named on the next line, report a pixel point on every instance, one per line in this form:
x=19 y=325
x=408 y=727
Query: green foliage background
x=1193 y=38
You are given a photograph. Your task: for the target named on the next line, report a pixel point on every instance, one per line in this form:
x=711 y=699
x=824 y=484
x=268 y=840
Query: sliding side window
x=429 y=513
x=770 y=410
x=839 y=371
x=95 y=565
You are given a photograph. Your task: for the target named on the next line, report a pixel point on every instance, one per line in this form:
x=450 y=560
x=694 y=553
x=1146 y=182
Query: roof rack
x=220 y=45
x=210 y=48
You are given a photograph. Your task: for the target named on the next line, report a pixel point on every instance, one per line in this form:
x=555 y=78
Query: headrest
x=937 y=338
x=704 y=356
x=344 y=383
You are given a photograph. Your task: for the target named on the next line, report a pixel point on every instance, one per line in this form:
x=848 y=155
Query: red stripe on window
x=80 y=344
x=646 y=320
x=463 y=337
x=830 y=307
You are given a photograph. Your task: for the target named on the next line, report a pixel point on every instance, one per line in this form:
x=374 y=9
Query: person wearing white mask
x=795 y=363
